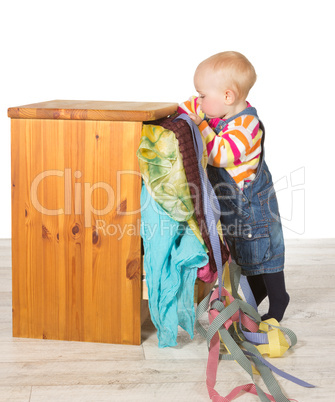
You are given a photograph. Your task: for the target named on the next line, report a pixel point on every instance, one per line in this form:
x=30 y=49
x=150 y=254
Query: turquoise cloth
x=172 y=255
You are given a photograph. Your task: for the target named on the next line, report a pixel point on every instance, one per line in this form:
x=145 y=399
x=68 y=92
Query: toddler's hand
x=197 y=119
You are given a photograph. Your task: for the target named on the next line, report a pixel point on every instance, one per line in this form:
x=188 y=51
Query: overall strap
x=251 y=111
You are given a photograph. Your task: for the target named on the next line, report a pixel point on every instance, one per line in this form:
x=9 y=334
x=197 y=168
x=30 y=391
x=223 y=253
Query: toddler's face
x=211 y=95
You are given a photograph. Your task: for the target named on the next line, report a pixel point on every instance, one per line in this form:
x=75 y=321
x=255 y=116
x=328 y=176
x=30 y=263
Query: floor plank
x=165 y=392
x=43 y=370
x=15 y=394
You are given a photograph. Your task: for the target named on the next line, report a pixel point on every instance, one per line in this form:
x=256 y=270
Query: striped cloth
x=236 y=148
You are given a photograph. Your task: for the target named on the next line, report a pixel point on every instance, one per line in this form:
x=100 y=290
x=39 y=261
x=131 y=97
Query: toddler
x=234 y=137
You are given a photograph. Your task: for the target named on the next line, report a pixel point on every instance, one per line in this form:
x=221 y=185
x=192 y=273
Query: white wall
x=147 y=51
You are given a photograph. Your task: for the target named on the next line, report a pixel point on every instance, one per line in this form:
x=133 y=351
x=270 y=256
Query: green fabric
x=162 y=169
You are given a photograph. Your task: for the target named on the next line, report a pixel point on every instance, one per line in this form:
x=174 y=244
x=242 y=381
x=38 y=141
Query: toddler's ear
x=229 y=97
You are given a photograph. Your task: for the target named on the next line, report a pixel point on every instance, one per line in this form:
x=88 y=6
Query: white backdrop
x=148 y=50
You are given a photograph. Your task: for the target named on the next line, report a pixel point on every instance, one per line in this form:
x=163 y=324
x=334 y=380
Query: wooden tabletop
x=93 y=110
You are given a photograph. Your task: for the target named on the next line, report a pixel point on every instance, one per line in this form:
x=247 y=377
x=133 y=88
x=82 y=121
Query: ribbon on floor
x=232 y=322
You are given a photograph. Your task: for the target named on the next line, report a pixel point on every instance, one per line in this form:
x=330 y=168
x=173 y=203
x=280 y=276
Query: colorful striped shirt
x=236 y=148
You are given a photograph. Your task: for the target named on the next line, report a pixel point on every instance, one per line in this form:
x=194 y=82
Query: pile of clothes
x=175 y=228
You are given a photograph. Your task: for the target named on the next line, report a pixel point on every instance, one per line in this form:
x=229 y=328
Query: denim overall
x=250 y=218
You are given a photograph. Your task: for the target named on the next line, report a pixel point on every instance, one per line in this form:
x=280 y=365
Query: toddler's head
x=223 y=82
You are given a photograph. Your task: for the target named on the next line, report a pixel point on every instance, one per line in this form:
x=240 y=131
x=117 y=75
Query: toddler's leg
x=278 y=297
x=257 y=285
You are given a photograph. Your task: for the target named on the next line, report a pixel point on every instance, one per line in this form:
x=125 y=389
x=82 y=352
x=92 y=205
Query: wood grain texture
x=75 y=195
x=93 y=110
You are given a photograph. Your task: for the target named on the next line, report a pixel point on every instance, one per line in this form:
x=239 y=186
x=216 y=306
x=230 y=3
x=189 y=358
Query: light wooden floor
x=52 y=371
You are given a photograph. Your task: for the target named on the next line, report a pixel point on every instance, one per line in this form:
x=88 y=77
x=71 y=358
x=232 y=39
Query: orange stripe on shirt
x=217 y=158
x=248 y=119
x=241 y=137
x=238 y=121
x=244 y=175
x=257 y=144
x=188 y=105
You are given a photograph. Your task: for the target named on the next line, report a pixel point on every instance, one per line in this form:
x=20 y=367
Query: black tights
x=273 y=286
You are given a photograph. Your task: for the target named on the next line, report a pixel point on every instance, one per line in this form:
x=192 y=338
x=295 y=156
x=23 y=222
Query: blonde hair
x=237 y=71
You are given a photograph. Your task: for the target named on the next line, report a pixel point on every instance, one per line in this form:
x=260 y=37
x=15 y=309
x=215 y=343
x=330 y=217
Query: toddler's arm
x=237 y=142
x=231 y=146
x=192 y=109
